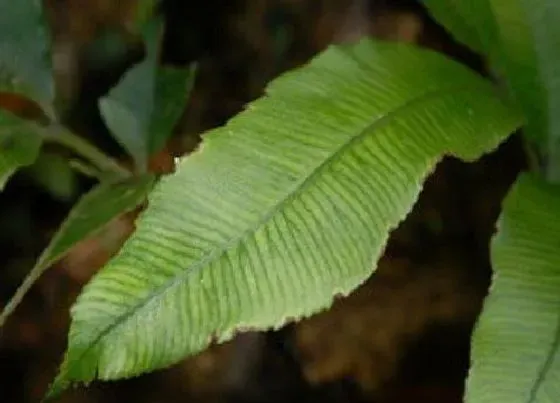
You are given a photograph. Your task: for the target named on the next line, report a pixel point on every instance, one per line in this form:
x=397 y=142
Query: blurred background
x=401 y=337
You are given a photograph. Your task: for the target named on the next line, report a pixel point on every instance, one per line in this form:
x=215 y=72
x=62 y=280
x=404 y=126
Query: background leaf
x=173 y=86
x=470 y=21
x=286 y=206
x=54 y=173
x=20 y=143
x=516 y=345
x=25 y=64
x=97 y=208
x=101 y=205
x=522 y=38
x=142 y=110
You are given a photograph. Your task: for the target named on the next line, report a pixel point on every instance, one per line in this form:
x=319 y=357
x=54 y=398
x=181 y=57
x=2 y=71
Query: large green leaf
x=516 y=344
x=25 y=65
x=20 y=142
x=522 y=38
x=93 y=212
x=286 y=206
x=142 y=110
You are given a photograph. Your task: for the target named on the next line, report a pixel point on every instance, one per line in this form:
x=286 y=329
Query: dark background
x=402 y=337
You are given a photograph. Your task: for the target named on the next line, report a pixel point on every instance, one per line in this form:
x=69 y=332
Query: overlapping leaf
x=470 y=21
x=142 y=110
x=96 y=209
x=25 y=65
x=105 y=202
x=516 y=345
x=20 y=142
x=286 y=206
x=172 y=89
x=522 y=38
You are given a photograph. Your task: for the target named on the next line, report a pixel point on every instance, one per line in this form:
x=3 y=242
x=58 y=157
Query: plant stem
x=85 y=169
x=60 y=135
x=98 y=159
x=21 y=291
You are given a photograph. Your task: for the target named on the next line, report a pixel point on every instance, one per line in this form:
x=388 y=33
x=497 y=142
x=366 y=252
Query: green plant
x=292 y=202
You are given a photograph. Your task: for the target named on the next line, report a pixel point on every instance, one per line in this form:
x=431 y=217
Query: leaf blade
x=102 y=204
x=470 y=22
x=128 y=106
x=143 y=109
x=272 y=166
x=25 y=66
x=172 y=89
x=20 y=143
x=97 y=208
x=516 y=343
x=521 y=38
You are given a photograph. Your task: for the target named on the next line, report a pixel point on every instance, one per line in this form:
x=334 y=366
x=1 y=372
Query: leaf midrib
x=284 y=203
x=547 y=365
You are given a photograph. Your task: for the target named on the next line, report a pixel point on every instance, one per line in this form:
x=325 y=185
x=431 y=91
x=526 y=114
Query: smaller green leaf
x=97 y=208
x=128 y=107
x=471 y=22
x=173 y=86
x=142 y=110
x=101 y=205
x=20 y=143
x=55 y=174
x=516 y=344
x=25 y=66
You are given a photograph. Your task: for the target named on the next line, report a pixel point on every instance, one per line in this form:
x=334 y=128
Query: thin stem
x=22 y=290
x=102 y=162
x=85 y=169
x=62 y=136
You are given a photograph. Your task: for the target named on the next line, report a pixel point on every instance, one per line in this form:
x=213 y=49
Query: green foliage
x=102 y=204
x=516 y=346
x=173 y=85
x=54 y=174
x=105 y=202
x=20 y=142
x=470 y=21
x=521 y=38
x=293 y=200
x=142 y=110
x=25 y=69
x=25 y=66
x=286 y=206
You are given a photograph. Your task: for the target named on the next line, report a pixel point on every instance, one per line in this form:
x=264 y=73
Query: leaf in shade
x=470 y=21
x=98 y=207
x=95 y=210
x=20 y=142
x=25 y=64
x=173 y=86
x=142 y=110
